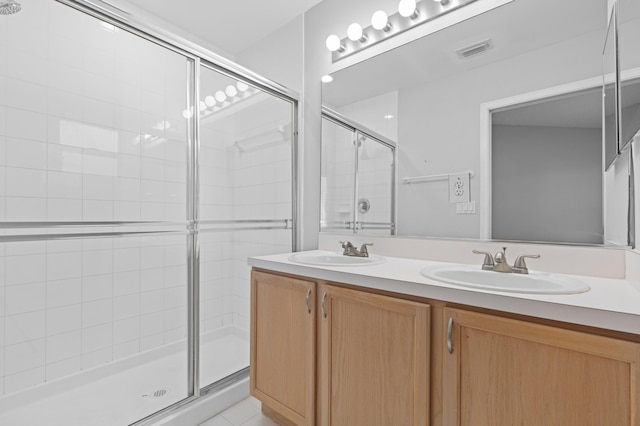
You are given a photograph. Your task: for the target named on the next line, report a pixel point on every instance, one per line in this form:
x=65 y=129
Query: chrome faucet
x=351 y=250
x=499 y=262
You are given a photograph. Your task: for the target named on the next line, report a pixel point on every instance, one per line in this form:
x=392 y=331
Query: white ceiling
x=230 y=25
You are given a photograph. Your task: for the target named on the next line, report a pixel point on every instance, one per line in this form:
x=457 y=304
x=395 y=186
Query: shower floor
x=114 y=395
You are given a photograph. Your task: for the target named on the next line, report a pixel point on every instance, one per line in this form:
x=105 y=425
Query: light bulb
x=231 y=91
x=203 y=106
x=333 y=43
x=210 y=100
x=220 y=96
x=242 y=86
x=407 y=8
x=354 y=32
x=187 y=114
x=326 y=78
x=380 y=21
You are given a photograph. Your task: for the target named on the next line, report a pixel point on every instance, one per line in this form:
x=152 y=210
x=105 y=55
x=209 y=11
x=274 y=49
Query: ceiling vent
x=474 y=49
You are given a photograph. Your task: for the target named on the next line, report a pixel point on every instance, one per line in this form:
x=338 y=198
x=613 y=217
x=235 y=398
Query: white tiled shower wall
x=91 y=129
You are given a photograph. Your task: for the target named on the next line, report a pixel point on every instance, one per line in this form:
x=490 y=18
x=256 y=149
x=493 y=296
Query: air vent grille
x=474 y=49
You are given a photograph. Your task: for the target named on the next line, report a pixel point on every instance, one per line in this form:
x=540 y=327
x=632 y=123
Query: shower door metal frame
x=357 y=129
x=197 y=56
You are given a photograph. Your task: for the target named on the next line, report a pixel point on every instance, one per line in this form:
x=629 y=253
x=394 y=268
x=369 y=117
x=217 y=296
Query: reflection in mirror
x=357 y=178
x=546 y=173
x=435 y=97
x=629 y=55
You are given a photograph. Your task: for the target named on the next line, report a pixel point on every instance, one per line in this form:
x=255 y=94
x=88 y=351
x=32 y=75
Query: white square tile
x=63 y=368
x=125 y=283
x=65 y=21
x=97 y=262
x=24 y=356
x=126 y=330
x=152 y=169
x=97 y=313
x=24 y=380
x=97 y=187
x=64 y=77
x=126 y=306
x=152 y=191
x=99 y=113
x=127 y=119
x=63 y=346
x=241 y=412
x=99 y=87
x=26 y=182
x=128 y=142
x=126 y=210
x=97 y=358
x=27 y=67
x=175 y=297
x=128 y=166
x=151 y=342
x=64 y=185
x=151 y=324
x=64 y=158
x=24 y=298
x=63 y=292
x=126 y=349
x=64 y=265
x=100 y=138
x=152 y=211
x=61 y=209
x=97 y=287
x=97 y=338
x=127 y=95
x=64 y=50
x=24 y=327
x=97 y=210
x=26 y=153
x=64 y=319
x=25 y=269
x=175 y=318
x=98 y=162
x=25 y=209
x=151 y=301
x=99 y=62
x=24 y=124
x=151 y=279
x=26 y=95
x=127 y=189
x=127 y=259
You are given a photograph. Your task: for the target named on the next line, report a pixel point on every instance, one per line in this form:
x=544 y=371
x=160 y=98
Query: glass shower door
x=245 y=208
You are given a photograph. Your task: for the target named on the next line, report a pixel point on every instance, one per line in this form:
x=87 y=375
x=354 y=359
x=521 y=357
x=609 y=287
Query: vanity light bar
x=425 y=11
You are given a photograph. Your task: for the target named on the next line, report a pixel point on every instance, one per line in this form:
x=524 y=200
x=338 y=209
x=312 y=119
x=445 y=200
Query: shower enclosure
x=137 y=174
x=357 y=178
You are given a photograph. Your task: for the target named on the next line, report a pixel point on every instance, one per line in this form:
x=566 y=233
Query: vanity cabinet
x=283 y=345
x=372 y=354
x=500 y=371
x=373 y=359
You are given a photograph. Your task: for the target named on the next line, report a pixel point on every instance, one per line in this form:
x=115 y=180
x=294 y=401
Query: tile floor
x=245 y=413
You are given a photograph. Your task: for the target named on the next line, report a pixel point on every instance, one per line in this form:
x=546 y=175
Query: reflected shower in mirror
x=427 y=96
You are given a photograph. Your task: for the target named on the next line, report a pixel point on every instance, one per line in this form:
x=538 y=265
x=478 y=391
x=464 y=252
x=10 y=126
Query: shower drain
x=156 y=394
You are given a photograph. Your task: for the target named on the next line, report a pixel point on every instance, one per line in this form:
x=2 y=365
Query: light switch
x=459 y=188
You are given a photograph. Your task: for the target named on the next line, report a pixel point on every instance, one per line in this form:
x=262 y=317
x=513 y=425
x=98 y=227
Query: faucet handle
x=345 y=244
x=519 y=266
x=488 y=263
x=363 y=249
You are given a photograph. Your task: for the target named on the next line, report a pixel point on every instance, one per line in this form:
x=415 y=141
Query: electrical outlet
x=459 y=188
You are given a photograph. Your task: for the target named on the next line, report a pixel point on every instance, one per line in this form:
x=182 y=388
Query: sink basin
x=534 y=282
x=328 y=258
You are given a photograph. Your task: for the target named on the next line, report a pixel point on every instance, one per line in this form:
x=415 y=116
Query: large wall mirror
x=532 y=163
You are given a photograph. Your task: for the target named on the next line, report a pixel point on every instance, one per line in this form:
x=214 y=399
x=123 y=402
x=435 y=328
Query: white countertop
x=612 y=304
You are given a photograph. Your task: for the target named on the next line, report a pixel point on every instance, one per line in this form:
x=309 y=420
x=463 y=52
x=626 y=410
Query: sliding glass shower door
x=245 y=208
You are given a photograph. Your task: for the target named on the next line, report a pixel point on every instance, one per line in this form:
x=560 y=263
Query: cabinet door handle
x=449 y=333
x=324 y=297
x=307 y=300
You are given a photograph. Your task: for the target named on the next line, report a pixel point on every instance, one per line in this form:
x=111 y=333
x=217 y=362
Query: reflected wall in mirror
x=437 y=96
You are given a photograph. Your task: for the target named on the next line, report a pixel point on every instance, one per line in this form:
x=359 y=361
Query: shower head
x=9 y=7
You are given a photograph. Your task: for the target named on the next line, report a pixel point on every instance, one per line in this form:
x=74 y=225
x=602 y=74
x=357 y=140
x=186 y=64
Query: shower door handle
x=307 y=301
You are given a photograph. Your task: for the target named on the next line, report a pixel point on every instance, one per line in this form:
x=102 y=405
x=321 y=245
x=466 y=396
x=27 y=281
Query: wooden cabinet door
x=506 y=372
x=374 y=360
x=283 y=345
